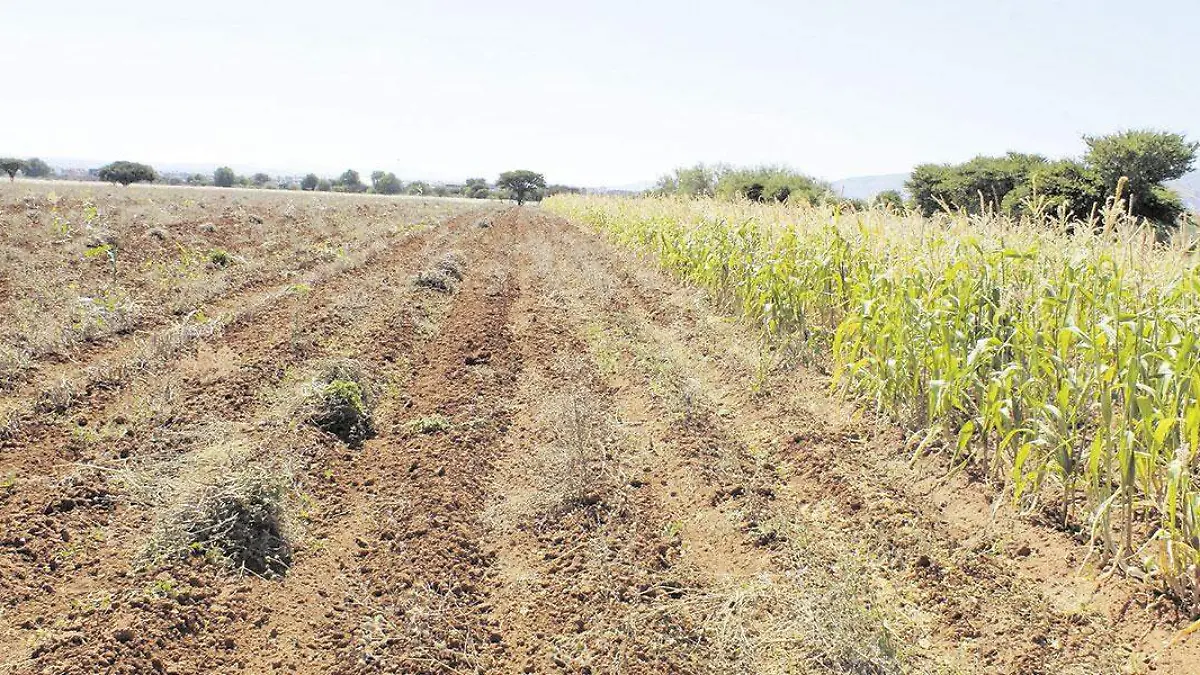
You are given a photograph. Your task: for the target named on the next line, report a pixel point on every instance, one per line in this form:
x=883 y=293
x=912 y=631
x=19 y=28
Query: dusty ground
x=576 y=466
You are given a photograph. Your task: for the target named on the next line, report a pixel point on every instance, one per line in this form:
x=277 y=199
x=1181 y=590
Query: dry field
x=280 y=432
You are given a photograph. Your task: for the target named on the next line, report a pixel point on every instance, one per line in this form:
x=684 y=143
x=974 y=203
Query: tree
x=889 y=200
x=522 y=184
x=127 y=172
x=310 y=182
x=224 y=177
x=386 y=183
x=769 y=183
x=197 y=179
x=324 y=185
x=350 y=181
x=1146 y=158
x=36 y=168
x=476 y=188
x=695 y=181
x=260 y=179
x=1066 y=186
x=980 y=184
x=10 y=166
x=418 y=188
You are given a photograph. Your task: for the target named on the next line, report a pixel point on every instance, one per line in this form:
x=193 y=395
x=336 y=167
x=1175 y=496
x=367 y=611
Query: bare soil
x=577 y=465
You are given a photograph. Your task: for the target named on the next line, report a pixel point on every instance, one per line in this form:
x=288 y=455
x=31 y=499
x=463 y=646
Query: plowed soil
x=577 y=465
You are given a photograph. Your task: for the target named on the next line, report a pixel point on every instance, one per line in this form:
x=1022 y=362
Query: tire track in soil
x=978 y=610
x=262 y=361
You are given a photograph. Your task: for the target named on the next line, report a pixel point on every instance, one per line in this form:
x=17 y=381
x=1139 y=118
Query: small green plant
x=220 y=258
x=106 y=250
x=429 y=424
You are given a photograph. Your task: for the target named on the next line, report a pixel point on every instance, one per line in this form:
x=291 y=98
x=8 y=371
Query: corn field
x=1065 y=367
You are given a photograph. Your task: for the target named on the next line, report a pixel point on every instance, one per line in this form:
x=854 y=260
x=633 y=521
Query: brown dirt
x=577 y=466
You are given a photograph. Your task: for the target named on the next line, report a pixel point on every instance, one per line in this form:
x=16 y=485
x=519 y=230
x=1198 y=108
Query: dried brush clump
x=445 y=275
x=225 y=507
x=340 y=399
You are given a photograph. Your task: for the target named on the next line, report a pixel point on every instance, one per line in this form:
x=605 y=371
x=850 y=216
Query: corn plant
x=1065 y=367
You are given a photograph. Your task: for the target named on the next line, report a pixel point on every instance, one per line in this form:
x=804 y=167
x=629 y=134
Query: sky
x=588 y=93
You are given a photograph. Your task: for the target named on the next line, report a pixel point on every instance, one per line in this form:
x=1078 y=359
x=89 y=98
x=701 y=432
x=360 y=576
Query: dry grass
x=220 y=503
x=821 y=615
x=80 y=263
x=445 y=275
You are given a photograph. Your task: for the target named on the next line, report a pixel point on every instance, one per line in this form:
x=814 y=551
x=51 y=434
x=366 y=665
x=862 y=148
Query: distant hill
x=1188 y=188
x=866 y=187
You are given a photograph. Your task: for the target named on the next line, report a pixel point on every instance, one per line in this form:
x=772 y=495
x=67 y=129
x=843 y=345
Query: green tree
x=418 y=188
x=127 y=172
x=889 y=200
x=386 y=183
x=36 y=168
x=691 y=181
x=350 y=181
x=224 y=177
x=10 y=166
x=1146 y=158
x=769 y=183
x=521 y=184
x=324 y=185
x=476 y=188
x=310 y=182
x=197 y=179
x=980 y=184
x=1065 y=186
x=260 y=179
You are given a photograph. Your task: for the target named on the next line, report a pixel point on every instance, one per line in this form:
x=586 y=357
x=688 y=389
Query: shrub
x=36 y=168
x=889 y=200
x=126 y=173
x=769 y=183
x=434 y=279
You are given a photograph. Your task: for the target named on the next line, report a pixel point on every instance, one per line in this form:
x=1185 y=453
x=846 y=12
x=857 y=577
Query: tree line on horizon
x=1131 y=166
x=520 y=185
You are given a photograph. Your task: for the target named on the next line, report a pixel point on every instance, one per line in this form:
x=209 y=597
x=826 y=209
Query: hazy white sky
x=588 y=93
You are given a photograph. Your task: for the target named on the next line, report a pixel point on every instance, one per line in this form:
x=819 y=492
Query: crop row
x=1065 y=367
